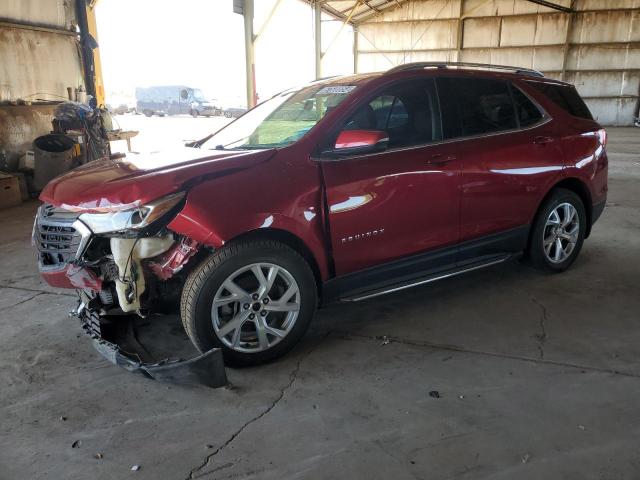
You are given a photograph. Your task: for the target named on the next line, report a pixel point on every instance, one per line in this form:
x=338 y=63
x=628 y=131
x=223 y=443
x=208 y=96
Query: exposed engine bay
x=123 y=264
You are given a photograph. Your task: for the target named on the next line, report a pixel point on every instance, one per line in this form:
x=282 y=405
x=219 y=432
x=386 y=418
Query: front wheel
x=558 y=232
x=252 y=299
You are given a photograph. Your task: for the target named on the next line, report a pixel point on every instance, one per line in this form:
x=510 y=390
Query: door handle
x=541 y=140
x=439 y=159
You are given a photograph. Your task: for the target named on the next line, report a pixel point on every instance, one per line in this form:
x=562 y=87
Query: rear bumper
x=597 y=211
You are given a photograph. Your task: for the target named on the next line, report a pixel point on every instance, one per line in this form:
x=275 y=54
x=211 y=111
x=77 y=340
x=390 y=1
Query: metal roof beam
x=327 y=8
x=555 y=6
x=363 y=17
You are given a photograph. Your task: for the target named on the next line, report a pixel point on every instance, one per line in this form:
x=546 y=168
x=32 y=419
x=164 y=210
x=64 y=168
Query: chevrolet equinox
x=345 y=189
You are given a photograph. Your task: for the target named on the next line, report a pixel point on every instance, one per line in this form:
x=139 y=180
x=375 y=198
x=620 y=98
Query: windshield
x=197 y=95
x=281 y=120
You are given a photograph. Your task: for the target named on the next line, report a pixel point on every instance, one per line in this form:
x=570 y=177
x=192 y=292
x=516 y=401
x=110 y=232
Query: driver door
x=400 y=203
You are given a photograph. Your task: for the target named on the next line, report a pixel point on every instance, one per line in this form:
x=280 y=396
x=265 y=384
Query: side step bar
x=429 y=279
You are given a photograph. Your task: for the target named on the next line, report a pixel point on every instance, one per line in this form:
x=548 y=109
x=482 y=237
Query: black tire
x=147 y=113
x=202 y=284
x=194 y=113
x=536 y=252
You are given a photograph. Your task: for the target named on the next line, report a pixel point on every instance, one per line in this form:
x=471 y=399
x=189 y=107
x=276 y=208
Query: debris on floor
x=525 y=458
x=135 y=468
x=385 y=340
x=98 y=456
x=434 y=394
x=76 y=444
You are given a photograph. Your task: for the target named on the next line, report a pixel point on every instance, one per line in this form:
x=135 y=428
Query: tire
x=194 y=113
x=148 y=113
x=561 y=204
x=209 y=327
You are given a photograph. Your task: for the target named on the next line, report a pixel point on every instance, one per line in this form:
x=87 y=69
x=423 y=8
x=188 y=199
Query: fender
x=216 y=212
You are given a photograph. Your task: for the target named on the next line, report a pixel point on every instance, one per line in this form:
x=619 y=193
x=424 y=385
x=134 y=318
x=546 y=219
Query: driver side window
x=407 y=112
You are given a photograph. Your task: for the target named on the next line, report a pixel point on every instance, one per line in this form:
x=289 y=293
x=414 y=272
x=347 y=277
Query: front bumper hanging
x=116 y=339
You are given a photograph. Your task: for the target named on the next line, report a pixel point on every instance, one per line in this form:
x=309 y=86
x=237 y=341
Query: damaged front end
x=125 y=265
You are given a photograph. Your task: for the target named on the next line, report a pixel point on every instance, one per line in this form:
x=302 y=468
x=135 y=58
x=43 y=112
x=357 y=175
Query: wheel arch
x=292 y=241
x=578 y=187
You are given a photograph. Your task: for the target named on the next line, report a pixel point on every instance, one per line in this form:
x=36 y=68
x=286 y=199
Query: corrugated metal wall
x=39 y=59
x=597 y=47
x=38 y=49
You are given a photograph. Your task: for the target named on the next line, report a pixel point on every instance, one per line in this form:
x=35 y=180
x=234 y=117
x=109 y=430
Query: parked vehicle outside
x=234 y=112
x=174 y=100
x=345 y=189
x=121 y=109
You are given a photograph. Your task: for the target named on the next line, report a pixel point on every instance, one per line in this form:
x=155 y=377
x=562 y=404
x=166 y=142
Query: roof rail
x=484 y=66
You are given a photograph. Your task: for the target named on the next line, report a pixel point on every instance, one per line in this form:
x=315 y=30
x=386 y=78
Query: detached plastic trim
x=205 y=369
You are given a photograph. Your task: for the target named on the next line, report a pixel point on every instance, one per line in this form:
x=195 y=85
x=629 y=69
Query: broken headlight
x=131 y=219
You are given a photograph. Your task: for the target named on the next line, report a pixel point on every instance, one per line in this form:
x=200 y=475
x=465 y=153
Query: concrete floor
x=538 y=376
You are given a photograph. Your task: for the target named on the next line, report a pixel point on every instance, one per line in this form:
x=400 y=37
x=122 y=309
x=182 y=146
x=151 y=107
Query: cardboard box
x=9 y=190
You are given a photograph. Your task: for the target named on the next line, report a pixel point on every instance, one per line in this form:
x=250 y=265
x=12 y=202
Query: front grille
x=55 y=237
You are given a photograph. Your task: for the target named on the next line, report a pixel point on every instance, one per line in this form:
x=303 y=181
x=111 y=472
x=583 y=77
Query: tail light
x=602 y=135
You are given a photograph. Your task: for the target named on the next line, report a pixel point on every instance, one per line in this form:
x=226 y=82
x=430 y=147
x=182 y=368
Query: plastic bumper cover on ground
x=120 y=347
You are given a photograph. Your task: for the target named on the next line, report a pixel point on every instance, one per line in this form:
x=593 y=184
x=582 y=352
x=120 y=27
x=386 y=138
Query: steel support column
x=317 y=9
x=86 y=48
x=459 y=32
x=355 y=49
x=567 y=41
x=249 y=44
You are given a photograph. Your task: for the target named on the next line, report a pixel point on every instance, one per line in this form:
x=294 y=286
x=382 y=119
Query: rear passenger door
x=510 y=156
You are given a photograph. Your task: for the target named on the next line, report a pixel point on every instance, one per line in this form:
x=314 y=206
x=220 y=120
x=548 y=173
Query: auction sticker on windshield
x=335 y=89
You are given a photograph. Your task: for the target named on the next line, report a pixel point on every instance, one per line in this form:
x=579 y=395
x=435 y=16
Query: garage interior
x=502 y=373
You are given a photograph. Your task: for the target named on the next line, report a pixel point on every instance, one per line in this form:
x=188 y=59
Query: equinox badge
x=360 y=236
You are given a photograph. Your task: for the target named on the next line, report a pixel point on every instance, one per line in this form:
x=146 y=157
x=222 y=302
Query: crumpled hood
x=139 y=179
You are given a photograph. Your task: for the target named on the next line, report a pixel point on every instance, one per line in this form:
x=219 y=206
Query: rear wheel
x=253 y=299
x=558 y=232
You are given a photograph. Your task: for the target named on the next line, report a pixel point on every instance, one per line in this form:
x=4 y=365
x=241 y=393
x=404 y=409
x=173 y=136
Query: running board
x=429 y=279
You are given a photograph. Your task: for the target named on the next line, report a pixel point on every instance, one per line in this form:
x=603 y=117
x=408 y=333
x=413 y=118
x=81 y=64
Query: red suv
x=345 y=189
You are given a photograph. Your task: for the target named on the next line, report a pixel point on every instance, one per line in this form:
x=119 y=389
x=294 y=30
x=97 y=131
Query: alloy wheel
x=561 y=232
x=255 y=307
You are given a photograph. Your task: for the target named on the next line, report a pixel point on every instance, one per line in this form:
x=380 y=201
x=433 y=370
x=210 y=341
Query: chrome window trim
x=546 y=118
x=543 y=121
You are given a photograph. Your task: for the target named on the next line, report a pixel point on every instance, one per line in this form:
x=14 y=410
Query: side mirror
x=359 y=142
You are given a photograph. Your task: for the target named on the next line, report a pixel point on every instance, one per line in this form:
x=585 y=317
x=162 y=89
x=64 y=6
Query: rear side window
x=528 y=114
x=475 y=106
x=566 y=97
